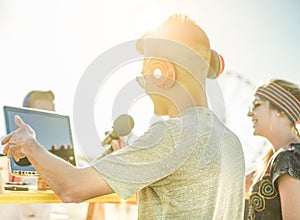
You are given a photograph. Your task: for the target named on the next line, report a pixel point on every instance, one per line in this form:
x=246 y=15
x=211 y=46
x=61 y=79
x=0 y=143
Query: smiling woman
x=275 y=189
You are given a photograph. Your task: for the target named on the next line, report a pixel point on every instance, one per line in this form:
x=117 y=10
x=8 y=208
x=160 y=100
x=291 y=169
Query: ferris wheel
x=238 y=91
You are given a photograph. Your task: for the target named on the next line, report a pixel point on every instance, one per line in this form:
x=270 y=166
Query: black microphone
x=122 y=126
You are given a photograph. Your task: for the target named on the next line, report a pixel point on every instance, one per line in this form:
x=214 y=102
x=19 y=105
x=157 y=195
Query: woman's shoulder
x=287 y=161
x=290 y=153
x=287 y=153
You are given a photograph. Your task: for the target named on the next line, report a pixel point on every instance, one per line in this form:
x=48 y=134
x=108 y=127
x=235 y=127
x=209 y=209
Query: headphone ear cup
x=162 y=74
x=217 y=65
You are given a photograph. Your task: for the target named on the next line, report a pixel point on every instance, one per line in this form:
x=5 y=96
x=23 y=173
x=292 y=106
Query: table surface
x=48 y=196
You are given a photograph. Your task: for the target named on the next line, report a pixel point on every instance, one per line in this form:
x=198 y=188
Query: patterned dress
x=264 y=200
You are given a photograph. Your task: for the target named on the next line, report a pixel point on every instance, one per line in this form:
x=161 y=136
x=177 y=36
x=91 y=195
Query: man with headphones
x=187 y=167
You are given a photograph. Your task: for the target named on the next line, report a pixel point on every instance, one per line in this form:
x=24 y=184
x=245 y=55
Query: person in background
x=275 y=189
x=189 y=166
x=40 y=99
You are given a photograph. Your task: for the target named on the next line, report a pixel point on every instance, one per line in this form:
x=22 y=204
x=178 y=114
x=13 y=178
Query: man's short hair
x=37 y=95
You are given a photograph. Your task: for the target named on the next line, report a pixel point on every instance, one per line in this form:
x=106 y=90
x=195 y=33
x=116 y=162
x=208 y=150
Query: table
x=95 y=210
x=48 y=196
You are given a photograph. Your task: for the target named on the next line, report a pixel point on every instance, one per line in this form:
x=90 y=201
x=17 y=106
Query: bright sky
x=49 y=44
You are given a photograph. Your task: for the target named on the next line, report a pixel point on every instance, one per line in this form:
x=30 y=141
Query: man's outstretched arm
x=70 y=183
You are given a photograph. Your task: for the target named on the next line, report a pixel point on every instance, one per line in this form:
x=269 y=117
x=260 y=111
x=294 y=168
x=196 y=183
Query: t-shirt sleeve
x=136 y=166
x=287 y=161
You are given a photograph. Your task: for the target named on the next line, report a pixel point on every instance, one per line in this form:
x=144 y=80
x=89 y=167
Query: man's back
x=209 y=182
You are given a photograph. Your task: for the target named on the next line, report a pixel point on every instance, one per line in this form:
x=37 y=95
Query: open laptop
x=52 y=130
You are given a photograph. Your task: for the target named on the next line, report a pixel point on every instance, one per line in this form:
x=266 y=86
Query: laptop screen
x=52 y=130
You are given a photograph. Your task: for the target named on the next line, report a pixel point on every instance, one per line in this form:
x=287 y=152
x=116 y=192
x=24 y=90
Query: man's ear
x=162 y=73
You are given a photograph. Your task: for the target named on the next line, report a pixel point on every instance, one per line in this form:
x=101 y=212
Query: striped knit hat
x=281 y=99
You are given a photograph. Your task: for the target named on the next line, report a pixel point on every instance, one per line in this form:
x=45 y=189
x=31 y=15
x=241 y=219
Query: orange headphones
x=163 y=74
x=217 y=65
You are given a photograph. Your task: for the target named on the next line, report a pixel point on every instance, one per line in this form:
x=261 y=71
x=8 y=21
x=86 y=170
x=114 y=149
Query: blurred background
x=49 y=44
